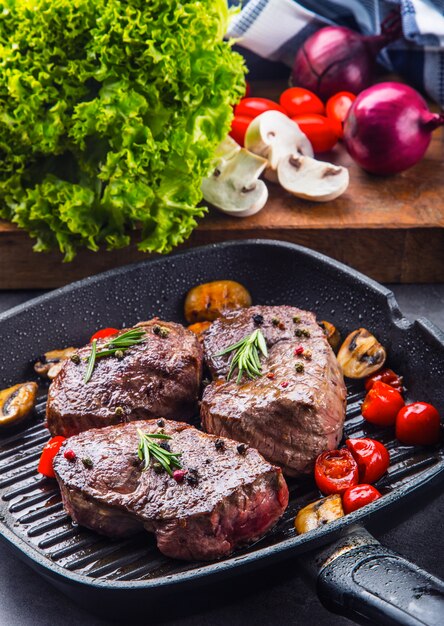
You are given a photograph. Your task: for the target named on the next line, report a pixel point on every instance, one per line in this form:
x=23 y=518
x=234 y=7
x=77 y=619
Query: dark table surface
x=283 y=597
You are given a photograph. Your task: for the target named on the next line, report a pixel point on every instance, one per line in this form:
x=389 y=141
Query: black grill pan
x=120 y=576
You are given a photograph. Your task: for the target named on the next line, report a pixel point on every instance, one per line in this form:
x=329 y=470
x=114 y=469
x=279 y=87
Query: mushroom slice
x=307 y=178
x=274 y=136
x=16 y=403
x=332 y=334
x=361 y=354
x=318 y=513
x=50 y=364
x=233 y=187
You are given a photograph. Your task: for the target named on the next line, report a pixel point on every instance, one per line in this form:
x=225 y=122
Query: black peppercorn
x=161 y=422
x=299 y=367
x=258 y=320
x=242 y=448
x=296 y=319
x=275 y=321
x=75 y=358
x=87 y=462
x=219 y=444
x=157 y=467
x=165 y=446
x=192 y=477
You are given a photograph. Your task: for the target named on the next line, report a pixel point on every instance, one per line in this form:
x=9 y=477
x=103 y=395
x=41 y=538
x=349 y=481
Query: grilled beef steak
x=230 y=495
x=296 y=408
x=160 y=376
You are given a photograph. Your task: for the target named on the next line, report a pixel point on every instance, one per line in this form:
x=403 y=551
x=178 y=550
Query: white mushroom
x=314 y=180
x=274 y=136
x=234 y=186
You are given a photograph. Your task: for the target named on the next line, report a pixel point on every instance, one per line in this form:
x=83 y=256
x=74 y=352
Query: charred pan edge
x=65 y=579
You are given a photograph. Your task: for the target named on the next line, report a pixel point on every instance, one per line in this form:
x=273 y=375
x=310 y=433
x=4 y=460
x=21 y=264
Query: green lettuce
x=110 y=113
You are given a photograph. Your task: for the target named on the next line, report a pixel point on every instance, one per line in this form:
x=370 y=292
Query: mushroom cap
x=274 y=136
x=314 y=180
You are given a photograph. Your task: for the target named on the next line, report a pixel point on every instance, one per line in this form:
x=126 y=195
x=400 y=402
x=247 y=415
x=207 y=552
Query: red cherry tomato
x=252 y=107
x=371 y=456
x=386 y=376
x=48 y=454
x=104 y=332
x=335 y=471
x=418 y=424
x=337 y=108
x=358 y=496
x=382 y=404
x=299 y=101
x=319 y=130
x=239 y=127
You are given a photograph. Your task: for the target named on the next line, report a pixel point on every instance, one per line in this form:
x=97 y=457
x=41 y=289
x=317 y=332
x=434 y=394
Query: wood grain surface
x=391 y=228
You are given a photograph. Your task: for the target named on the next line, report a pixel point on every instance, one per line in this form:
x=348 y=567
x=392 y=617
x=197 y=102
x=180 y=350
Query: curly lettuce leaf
x=110 y=113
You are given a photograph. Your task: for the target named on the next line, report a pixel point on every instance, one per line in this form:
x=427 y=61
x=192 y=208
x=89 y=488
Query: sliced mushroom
x=361 y=354
x=310 y=179
x=319 y=513
x=274 y=136
x=332 y=334
x=234 y=186
x=16 y=403
x=50 y=364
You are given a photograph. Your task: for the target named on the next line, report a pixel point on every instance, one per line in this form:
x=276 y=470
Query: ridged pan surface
x=32 y=517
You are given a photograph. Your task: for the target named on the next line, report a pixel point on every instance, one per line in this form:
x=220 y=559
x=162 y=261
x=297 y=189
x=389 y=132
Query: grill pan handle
x=361 y=579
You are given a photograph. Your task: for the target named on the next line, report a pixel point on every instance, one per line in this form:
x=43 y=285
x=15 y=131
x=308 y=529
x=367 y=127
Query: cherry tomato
x=104 y=332
x=418 y=424
x=371 y=456
x=48 y=454
x=338 y=107
x=386 y=376
x=335 y=471
x=252 y=107
x=299 y=101
x=358 y=496
x=319 y=130
x=381 y=404
x=239 y=127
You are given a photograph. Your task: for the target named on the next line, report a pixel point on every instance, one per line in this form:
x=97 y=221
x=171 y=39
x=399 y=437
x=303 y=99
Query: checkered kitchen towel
x=275 y=29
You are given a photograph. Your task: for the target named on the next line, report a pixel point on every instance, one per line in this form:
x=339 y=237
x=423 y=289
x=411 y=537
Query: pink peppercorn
x=284 y=384
x=70 y=455
x=271 y=376
x=179 y=475
x=299 y=350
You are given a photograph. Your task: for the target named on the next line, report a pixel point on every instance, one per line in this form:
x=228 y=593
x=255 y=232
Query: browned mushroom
x=332 y=334
x=50 y=364
x=361 y=354
x=319 y=513
x=206 y=302
x=16 y=403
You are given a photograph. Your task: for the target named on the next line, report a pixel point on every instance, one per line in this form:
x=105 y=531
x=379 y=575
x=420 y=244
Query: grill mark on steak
x=291 y=417
x=237 y=498
x=160 y=376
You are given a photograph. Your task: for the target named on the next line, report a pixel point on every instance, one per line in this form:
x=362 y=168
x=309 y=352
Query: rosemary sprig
x=120 y=343
x=149 y=448
x=247 y=355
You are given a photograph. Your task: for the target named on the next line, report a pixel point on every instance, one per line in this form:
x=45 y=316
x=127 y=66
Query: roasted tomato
x=418 y=424
x=335 y=471
x=319 y=130
x=49 y=451
x=104 y=332
x=371 y=456
x=299 y=101
x=386 y=376
x=337 y=108
x=239 y=127
x=252 y=107
x=358 y=496
x=382 y=404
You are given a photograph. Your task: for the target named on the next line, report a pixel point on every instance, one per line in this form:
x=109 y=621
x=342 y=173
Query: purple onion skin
x=389 y=128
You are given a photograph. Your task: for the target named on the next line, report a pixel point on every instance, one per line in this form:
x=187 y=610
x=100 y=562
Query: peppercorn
x=161 y=422
x=192 y=477
x=242 y=448
x=296 y=319
x=302 y=332
x=87 y=462
x=161 y=331
x=118 y=411
x=75 y=358
x=165 y=446
x=307 y=354
x=118 y=354
x=299 y=350
x=275 y=321
x=284 y=384
x=271 y=375
x=70 y=455
x=299 y=367
x=219 y=444
x=157 y=467
x=258 y=319
x=179 y=475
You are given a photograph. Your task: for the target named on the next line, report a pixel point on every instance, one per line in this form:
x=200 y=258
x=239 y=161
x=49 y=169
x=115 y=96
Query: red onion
x=389 y=128
x=336 y=58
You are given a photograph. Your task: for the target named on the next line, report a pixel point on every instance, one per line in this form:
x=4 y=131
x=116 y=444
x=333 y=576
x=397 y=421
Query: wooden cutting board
x=389 y=228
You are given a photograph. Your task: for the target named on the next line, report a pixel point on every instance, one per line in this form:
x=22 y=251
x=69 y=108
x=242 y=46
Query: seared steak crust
x=234 y=496
x=160 y=376
x=296 y=408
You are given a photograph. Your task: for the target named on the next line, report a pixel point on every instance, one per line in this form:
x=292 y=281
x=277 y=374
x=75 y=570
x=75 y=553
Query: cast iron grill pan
x=88 y=566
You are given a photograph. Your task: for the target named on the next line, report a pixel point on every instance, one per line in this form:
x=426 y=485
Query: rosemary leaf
x=91 y=361
x=246 y=357
x=148 y=449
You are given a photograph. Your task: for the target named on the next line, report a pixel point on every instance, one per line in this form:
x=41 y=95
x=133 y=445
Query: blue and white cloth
x=275 y=29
